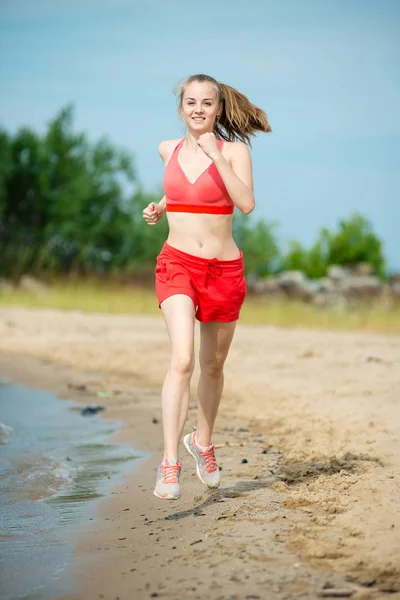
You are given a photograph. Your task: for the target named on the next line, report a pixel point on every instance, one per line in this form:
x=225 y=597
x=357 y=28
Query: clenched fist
x=153 y=213
x=208 y=143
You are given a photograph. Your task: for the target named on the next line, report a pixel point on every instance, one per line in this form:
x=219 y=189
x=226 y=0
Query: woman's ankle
x=200 y=442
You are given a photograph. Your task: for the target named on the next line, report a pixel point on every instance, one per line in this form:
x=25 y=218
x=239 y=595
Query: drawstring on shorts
x=213 y=270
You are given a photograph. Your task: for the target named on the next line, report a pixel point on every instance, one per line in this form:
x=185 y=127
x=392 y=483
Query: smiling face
x=200 y=106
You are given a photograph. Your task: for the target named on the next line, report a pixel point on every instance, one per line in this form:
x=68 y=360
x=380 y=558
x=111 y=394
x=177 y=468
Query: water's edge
x=57 y=466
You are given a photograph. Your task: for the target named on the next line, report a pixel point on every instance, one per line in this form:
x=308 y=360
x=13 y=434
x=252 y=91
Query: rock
x=296 y=285
x=337 y=273
x=79 y=387
x=271 y=287
x=329 y=299
x=31 y=284
x=91 y=410
x=394 y=290
x=326 y=285
x=288 y=278
x=335 y=593
x=365 y=287
x=337 y=290
x=363 y=268
x=376 y=359
x=268 y=287
x=5 y=286
x=280 y=486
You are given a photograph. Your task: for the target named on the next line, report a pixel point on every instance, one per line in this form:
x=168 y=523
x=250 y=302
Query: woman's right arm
x=162 y=203
x=154 y=212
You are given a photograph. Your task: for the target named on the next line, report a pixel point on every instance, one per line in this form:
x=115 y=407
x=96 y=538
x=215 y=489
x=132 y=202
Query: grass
x=290 y=313
x=89 y=297
x=112 y=298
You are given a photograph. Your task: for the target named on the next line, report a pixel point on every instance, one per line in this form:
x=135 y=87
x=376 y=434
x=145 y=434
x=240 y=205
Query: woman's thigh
x=178 y=311
x=215 y=341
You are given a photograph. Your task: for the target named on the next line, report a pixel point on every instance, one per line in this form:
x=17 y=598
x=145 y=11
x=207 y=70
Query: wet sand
x=315 y=414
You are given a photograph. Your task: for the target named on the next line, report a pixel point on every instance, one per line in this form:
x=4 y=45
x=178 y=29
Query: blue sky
x=325 y=71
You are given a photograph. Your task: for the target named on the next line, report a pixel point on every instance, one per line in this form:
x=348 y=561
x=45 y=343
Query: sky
x=326 y=72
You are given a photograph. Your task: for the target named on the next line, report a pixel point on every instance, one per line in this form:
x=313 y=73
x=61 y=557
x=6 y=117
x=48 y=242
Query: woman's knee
x=213 y=367
x=182 y=364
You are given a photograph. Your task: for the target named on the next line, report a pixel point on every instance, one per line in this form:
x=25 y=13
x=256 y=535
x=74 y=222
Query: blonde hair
x=239 y=119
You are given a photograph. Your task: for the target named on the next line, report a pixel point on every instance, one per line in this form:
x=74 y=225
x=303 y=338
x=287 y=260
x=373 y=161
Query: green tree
x=67 y=204
x=64 y=203
x=5 y=169
x=258 y=242
x=296 y=258
x=354 y=242
x=24 y=210
x=90 y=212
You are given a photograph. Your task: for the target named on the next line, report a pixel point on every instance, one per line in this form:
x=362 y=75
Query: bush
x=258 y=242
x=353 y=243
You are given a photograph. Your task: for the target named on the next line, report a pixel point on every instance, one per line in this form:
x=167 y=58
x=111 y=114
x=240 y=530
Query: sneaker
x=167 y=486
x=206 y=464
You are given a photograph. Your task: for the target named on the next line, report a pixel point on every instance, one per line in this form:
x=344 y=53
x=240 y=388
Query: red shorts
x=217 y=287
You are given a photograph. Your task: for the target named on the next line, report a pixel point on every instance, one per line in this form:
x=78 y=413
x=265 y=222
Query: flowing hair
x=239 y=119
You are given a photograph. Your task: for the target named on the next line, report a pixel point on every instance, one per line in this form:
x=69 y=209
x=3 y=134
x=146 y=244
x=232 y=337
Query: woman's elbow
x=249 y=207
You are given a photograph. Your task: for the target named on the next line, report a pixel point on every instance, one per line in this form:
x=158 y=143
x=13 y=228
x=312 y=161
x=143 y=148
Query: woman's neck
x=192 y=137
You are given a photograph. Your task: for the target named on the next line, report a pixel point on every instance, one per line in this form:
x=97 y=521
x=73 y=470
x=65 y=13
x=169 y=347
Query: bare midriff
x=203 y=235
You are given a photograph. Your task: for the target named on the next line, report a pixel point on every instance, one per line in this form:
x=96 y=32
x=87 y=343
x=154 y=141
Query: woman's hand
x=153 y=213
x=208 y=143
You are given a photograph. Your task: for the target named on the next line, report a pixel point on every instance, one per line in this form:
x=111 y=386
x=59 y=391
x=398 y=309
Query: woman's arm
x=161 y=205
x=237 y=176
x=154 y=212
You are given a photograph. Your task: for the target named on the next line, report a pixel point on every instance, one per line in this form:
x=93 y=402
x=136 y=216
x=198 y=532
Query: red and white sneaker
x=206 y=464
x=167 y=485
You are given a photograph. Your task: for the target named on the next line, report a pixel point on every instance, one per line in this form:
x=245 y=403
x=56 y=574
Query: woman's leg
x=178 y=311
x=215 y=342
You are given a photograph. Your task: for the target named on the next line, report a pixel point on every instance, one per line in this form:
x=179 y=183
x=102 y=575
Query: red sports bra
x=207 y=194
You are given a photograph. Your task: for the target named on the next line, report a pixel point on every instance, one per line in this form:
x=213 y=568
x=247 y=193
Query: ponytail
x=239 y=119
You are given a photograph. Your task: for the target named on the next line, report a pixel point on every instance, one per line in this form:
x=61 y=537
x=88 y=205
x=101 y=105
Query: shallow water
x=55 y=466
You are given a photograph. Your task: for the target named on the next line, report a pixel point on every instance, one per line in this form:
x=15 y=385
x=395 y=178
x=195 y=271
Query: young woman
x=199 y=271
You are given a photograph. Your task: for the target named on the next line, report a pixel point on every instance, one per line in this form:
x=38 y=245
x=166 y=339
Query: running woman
x=199 y=271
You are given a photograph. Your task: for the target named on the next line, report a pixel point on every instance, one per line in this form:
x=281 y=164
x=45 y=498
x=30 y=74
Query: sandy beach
x=307 y=438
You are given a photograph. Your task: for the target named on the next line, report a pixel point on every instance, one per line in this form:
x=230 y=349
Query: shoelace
x=209 y=458
x=170 y=473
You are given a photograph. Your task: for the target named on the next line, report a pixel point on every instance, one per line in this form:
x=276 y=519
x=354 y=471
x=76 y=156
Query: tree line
x=69 y=205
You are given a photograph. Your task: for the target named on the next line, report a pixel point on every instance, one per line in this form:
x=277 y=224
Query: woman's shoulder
x=166 y=147
x=236 y=145
x=236 y=149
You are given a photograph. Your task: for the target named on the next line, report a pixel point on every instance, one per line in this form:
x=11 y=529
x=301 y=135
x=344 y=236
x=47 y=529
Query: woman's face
x=200 y=106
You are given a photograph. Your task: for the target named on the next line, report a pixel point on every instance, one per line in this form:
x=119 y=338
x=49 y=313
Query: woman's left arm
x=237 y=176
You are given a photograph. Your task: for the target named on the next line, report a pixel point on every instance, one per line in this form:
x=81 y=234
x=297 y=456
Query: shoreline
x=282 y=525
x=130 y=514
x=56 y=466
